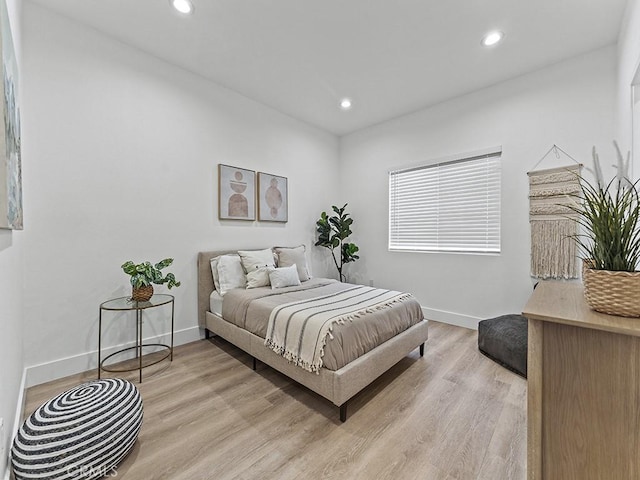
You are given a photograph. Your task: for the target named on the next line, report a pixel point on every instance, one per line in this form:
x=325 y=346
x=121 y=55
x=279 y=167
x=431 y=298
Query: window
x=450 y=206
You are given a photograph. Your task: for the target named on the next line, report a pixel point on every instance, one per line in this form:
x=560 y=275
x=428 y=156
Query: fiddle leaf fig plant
x=144 y=274
x=333 y=232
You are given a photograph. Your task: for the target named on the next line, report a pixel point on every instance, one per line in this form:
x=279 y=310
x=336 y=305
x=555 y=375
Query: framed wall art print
x=10 y=148
x=273 y=198
x=236 y=193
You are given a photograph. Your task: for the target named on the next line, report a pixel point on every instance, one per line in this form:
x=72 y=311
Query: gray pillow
x=294 y=256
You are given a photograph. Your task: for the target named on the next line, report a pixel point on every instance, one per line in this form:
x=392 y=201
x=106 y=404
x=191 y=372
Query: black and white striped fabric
x=82 y=433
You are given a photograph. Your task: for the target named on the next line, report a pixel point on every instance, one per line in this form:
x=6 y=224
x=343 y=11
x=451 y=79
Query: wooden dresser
x=583 y=388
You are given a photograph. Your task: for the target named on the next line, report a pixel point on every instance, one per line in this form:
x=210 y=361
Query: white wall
x=123 y=165
x=570 y=104
x=11 y=312
x=628 y=67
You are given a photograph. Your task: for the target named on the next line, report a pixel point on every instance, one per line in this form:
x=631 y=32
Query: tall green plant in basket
x=609 y=214
x=333 y=232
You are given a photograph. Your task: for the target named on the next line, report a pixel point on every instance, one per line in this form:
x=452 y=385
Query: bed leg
x=343 y=412
x=207 y=334
x=422 y=350
x=255 y=363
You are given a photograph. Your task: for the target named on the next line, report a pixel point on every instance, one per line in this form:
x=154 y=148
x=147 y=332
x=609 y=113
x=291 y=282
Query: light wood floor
x=453 y=414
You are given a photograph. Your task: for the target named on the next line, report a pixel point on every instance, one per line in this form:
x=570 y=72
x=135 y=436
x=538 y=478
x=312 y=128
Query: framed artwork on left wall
x=10 y=150
x=236 y=193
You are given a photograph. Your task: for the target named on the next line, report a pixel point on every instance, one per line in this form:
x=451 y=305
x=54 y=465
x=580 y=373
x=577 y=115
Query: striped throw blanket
x=298 y=330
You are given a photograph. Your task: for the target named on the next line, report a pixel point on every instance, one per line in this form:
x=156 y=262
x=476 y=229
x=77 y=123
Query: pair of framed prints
x=242 y=193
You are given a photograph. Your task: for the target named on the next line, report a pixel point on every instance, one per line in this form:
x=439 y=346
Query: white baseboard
x=45 y=372
x=17 y=421
x=451 y=318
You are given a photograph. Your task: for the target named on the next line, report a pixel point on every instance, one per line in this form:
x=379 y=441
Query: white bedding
x=215 y=303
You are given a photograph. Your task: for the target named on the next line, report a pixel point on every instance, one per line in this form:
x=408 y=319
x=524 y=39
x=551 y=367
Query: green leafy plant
x=333 y=232
x=609 y=214
x=143 y=274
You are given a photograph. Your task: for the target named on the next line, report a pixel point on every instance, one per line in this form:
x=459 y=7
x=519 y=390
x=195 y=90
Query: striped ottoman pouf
x=82 y=433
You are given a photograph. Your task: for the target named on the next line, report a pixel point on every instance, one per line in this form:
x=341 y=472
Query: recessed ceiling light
x=492 y=38
x=345 y=103
x=183 y=6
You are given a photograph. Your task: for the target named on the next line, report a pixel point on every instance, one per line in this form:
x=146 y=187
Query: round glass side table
x=126 y=304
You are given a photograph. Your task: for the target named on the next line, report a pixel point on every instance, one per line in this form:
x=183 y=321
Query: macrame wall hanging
x=553 y=250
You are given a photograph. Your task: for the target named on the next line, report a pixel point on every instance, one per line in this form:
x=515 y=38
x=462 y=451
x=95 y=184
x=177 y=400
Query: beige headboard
x=205 y=279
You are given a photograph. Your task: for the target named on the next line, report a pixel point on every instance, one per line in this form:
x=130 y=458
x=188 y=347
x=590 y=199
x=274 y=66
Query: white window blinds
x=452 y=206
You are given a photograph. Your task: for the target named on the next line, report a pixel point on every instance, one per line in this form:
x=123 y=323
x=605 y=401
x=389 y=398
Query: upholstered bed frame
x=336 y=386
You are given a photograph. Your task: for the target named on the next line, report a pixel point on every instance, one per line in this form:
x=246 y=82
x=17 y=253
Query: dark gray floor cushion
x=82 y=433
x=504 y=340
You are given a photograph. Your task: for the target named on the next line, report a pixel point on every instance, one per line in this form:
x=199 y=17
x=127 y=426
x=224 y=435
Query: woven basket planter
x=615 y=293
x=142 y=294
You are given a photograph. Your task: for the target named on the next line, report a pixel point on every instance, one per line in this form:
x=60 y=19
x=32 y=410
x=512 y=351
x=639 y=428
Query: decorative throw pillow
x=259 y=277
x=231 y=274
x=284 y=277
x=294 y=256
x=214 y=272
x=255 y=264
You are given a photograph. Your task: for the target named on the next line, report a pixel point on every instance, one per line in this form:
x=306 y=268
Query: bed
x=243 y=320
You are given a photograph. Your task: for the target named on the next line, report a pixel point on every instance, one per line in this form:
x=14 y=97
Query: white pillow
x=230 y=272
x=258 y=277
x=294 y=256
x=255 y=264
x=284 y=277
x=256 y=258
x=214 y=272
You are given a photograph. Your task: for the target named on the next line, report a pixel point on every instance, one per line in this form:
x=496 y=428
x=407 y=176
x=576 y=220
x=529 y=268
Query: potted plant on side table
x=609 y=214
x=144 y=274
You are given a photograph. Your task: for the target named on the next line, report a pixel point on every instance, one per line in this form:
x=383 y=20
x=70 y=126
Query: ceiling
x=391 y=57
